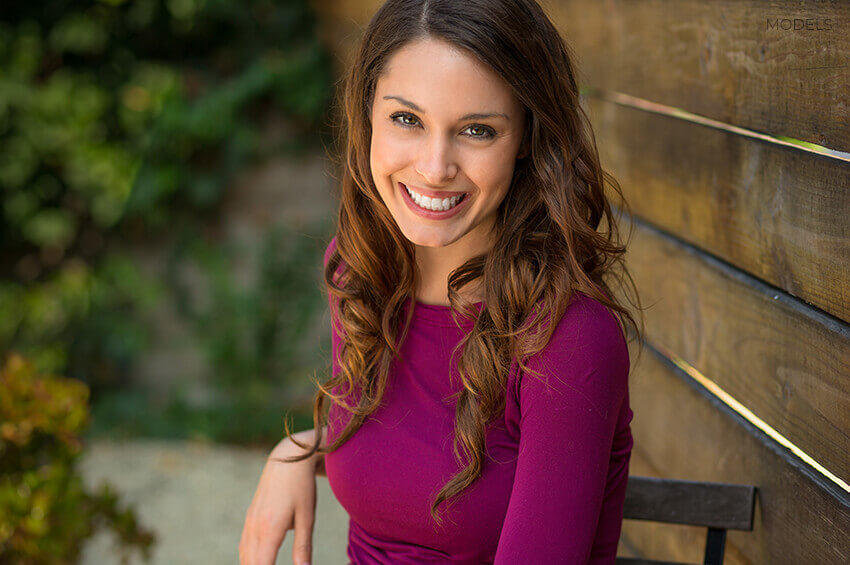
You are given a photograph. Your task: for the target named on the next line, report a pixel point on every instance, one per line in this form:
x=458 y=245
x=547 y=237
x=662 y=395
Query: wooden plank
x=684 y=544
x=723 y=59
x=632 y=561
x=778 y=213
x=681 y=431
x=785 y=362
x=679 y=501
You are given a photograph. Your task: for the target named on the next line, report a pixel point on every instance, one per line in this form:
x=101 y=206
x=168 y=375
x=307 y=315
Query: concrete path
x=194 y=496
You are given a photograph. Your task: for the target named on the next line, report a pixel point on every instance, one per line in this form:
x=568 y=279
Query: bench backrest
x=717 y=506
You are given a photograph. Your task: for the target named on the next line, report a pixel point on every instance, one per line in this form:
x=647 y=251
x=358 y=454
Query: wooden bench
x=717 y=506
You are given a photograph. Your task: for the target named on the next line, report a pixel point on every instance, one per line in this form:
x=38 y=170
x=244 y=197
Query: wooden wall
x=740 y=249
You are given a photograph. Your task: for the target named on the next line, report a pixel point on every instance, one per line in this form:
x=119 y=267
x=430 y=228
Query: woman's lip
x=430 y=193
x=431 y=214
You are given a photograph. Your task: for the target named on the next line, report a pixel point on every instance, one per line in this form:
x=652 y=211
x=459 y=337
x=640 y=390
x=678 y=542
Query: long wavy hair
x=549 y=240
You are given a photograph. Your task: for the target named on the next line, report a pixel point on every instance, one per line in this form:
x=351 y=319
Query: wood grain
x=785 y=362
x=697 y=503
x=778 y=213
x=681 y=431
x=722 y=59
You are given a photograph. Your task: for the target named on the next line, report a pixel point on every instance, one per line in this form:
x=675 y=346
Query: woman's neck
x=435 y=265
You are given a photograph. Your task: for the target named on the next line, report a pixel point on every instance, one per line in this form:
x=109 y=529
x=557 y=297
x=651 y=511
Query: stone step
x=194 y=496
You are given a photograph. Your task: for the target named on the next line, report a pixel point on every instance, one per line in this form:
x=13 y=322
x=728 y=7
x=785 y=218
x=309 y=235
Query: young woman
x=479 y=392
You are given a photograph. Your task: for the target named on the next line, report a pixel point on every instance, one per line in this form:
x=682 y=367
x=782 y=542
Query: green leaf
x=50 y=227
x=78 y=33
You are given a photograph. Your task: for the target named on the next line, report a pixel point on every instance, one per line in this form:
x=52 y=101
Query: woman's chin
x=428 y=239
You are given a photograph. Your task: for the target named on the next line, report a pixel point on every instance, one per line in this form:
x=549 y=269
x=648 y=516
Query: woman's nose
x=436 y=163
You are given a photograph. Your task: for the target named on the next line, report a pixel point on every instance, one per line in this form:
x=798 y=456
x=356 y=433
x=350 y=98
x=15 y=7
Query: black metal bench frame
x=717 y=506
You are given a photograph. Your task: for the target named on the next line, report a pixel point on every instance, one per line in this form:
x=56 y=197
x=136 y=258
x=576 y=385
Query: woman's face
x=444 y=126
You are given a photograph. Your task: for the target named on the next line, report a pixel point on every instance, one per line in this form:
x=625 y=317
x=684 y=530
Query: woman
x=468 y=302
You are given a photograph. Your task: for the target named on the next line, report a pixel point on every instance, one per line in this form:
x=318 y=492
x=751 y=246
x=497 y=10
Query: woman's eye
x=404 y=119
x=482 y=132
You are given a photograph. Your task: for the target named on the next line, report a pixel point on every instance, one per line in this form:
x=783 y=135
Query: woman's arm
x=285 y=500
x=286 y=448
x=561 y=509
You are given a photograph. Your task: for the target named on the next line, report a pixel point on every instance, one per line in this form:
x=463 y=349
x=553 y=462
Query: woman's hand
x=285 y=499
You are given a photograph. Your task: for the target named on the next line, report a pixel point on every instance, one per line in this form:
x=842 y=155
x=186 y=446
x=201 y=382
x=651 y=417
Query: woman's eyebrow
x=476 y=116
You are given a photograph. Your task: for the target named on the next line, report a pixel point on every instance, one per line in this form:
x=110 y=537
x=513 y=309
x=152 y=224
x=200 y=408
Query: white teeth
x=434 y=204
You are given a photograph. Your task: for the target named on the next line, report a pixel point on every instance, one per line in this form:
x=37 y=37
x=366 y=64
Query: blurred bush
x=45 y=512
x=119 y=121
x=262 y=341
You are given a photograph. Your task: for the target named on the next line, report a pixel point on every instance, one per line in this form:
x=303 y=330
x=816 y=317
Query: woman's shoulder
x=587 y=351
x=587 y=319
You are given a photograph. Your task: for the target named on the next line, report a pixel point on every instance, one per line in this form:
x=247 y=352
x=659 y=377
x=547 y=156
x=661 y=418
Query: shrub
x=119 y=120
x=45 y=512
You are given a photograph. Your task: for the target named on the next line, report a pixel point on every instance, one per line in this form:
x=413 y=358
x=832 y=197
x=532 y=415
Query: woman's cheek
x=388 y=152
x=493 y=174
x=378 y=158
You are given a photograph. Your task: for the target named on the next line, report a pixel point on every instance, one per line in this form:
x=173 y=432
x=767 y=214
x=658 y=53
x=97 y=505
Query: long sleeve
x=568 y=491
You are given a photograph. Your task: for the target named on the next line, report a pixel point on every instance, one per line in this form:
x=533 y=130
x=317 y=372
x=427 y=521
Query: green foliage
x=120 y=119
x=125 y=414
x=259 y=337
x=256 y=330
x=45 y=512
x=80 y=319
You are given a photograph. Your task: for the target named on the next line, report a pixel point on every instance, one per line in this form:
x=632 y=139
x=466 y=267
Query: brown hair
x=547 y=244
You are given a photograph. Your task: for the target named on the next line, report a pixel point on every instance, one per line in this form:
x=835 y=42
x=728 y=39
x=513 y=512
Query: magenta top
x=553 y=486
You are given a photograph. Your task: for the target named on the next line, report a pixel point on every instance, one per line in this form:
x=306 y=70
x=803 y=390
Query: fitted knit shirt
x=554 y=476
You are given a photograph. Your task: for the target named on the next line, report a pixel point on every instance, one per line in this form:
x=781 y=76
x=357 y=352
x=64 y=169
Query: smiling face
x=448 y=128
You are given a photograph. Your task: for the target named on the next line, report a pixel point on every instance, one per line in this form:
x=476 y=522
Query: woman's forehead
x=437 y=76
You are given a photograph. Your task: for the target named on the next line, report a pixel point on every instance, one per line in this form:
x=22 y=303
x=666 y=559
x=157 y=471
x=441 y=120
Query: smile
x=435 y=204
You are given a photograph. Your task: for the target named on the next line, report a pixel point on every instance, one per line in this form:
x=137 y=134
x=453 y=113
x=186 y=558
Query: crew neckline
x=439 y=314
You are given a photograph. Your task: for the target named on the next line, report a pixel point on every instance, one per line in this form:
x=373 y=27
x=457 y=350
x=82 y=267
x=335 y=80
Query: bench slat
x=696 y=503
x=634 y=561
